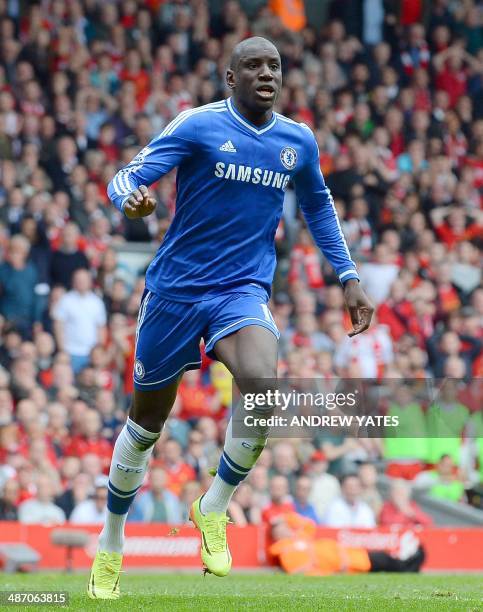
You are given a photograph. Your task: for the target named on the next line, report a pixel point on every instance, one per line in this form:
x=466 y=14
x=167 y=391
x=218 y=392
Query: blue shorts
x=168 y=333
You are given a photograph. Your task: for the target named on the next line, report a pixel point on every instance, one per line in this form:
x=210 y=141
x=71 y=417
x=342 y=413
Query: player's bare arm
x=359 y=306
x=139 y=203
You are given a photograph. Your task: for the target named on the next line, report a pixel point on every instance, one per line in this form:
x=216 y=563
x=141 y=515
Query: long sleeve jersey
x=231 y=180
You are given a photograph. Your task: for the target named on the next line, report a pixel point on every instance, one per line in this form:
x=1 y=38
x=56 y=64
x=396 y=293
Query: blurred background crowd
x=393 y=90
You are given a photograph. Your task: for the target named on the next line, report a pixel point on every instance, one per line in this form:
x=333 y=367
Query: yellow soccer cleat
x=215 y=553
x=104 y=578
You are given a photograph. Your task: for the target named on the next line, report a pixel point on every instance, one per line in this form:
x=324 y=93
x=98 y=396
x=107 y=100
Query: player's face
x=257 y=79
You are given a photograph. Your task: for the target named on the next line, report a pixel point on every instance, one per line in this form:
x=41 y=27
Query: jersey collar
x=248 y=124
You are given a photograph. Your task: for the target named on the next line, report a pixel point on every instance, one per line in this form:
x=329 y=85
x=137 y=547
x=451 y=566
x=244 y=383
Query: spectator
x=41 y=509
x=443 y=482
x=25 y=478
x=280 y=500
x=68 y=257
x=401 y=510
x=195 y=455
x=57 y=430
x=76 y=494
x=285 y=463
x=91 y=464
x=69 y=467
x=242 y=509
x=349 y=510
x=178 y=472
x=408 y=451
x=304 y=262
x=8 y=501
x=446 y=421
x=40 y=253
x=450 y=344
x=379 y=275
x=325 y=486
x=258 y=480
x=100 y=362
x=301 y=503
x=368 y=476
x=92 y=511
x=341 y=452
x=416 y=53
x=190 y=492
x=19 y=303
x=45 y=345
x=369 y=354
x=158 y=503
x=6 y=407
x=90 y=441
x=80 y=320
x=112 y=417
x=357 y=229
x=197 y=400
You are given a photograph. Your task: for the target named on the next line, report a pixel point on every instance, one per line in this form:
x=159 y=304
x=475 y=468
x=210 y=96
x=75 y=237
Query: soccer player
x=211 y=279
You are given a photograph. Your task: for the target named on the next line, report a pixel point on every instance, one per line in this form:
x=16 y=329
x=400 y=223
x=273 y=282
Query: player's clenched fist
x=139 y=203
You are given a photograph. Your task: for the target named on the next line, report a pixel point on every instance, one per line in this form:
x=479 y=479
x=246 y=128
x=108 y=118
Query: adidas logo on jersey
x=228 y=147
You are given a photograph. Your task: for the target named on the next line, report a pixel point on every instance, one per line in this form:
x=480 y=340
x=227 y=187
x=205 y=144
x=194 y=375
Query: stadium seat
x=15 y=557
x=70 y=538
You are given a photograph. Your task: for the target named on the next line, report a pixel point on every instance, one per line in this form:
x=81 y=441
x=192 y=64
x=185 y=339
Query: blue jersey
x=231 y=180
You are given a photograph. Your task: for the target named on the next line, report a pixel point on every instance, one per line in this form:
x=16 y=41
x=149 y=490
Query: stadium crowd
x=395 y=97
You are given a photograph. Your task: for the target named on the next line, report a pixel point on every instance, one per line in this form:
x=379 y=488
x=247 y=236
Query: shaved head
x=255 y=77
x=253 y=44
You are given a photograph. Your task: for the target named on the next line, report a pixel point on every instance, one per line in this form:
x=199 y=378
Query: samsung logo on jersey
x=247 y=174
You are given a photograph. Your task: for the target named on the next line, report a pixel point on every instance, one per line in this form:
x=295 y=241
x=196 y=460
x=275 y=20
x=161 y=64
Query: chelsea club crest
x=288 y=157
x=139 y=369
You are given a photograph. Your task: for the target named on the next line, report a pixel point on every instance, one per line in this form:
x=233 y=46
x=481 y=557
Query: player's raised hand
x=139 y=204
x=359 y=306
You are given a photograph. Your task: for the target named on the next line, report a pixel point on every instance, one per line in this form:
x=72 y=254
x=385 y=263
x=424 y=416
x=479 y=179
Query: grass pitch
x=262 y=592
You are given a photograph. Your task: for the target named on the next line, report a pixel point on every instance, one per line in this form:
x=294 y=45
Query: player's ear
x=230 y=78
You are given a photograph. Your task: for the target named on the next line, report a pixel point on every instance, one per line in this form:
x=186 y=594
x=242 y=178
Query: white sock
x=111 y=538
x=238 y=457
x=218 y=496
x=129 y=463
